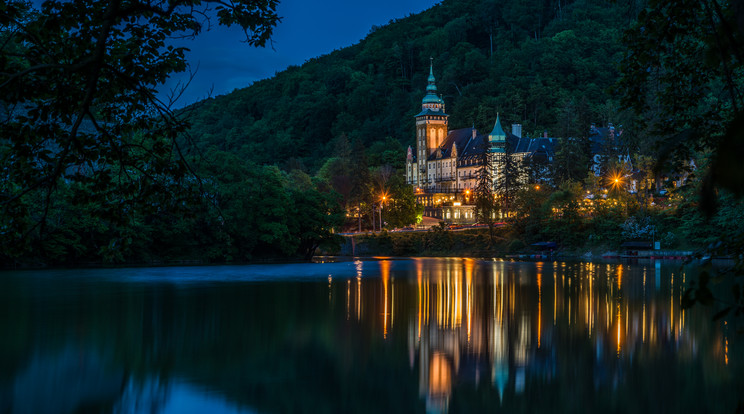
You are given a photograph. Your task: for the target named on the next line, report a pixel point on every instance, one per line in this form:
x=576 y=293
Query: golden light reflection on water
x=490 y=315
x=473 y=330
x=385 y=272
x=539 y=302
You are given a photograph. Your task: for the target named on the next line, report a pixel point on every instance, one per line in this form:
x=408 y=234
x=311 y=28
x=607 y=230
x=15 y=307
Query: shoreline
x=328 y=258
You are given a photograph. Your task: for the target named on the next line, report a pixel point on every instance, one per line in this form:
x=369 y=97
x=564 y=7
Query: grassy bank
x=436 y=242
x=469 y=243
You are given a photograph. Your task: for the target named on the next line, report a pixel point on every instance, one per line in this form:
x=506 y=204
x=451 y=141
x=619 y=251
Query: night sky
x=308 y=29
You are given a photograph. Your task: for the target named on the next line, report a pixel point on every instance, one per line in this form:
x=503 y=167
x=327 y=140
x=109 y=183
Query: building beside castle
x=443 y=168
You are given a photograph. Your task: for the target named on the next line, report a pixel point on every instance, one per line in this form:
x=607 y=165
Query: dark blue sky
x=308 y=29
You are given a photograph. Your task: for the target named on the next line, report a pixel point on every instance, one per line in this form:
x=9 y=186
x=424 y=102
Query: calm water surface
x=376 y=336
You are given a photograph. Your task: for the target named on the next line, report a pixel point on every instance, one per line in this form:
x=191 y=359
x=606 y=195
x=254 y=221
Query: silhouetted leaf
x=688 y=299
x=705 y=296
x=720 y=314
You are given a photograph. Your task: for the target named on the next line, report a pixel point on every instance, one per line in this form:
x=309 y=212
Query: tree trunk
x=373 y=219
x=311 y=251
x=490 y=37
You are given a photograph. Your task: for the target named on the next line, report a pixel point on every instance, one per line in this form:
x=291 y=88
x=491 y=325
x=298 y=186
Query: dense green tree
x=485 y=205
x=547 y=67
x=531 y=212
x=681 y=74
x=510 y=173
x=253 y=205
x=314 y=215
x=402 y=209
x=78 y=84
x=361 y=188
x=571 y=162
x=567 y=225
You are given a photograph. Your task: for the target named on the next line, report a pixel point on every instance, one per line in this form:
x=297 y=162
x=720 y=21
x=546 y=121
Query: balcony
x=438 y=190
x=445 y=178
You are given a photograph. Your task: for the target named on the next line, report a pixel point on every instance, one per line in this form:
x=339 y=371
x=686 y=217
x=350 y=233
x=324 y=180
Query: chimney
x=545 y=133
x=474 y=132
x=517 y=130
x=593 y=128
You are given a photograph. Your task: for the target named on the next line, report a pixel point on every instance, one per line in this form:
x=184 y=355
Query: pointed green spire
x=498 y=134
x=497 y=137
x=431 y=90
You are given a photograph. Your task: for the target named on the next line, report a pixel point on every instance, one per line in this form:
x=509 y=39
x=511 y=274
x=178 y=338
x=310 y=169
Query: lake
x=373 y=336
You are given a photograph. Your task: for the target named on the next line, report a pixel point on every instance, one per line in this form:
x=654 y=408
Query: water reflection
x=420 y=335
x=476 y=322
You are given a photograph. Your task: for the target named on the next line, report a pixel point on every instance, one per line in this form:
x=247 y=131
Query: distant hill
x=547 y=64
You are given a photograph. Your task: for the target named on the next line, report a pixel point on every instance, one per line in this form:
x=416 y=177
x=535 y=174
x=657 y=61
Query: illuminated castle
x=443 y=169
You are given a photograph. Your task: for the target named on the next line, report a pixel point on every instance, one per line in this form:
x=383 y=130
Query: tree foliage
x=485 y=205
x=509 y=177
x=682 y=74
x=571 y=161
x=78 y=84
x=544 y=66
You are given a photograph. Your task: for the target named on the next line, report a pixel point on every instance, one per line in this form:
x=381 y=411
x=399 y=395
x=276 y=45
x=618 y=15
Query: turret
x=432 y=101
x=497 y=137
x=431 y=125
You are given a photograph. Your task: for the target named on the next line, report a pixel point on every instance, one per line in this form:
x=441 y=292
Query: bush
x=403 y=245
x=516 y=245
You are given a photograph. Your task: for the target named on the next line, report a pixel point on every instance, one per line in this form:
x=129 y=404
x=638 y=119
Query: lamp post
x=384 y=197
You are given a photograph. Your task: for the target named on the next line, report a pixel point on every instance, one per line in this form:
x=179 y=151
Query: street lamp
x=616 y=180
x=382 y=203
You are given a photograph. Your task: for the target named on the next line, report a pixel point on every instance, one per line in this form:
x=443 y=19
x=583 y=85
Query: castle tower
x=497 y=137
x=431 y=127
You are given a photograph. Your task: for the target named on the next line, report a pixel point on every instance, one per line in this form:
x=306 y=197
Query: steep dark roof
x=598 y=137
x=469 y=149
x=460 y=137
x=536 y=147
x=475 y=146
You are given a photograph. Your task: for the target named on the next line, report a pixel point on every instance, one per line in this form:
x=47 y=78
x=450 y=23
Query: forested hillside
x=344 y=118
x=547 y=64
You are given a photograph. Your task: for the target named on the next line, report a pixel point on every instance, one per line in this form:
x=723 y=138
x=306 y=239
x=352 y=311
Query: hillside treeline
x=547 y=64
